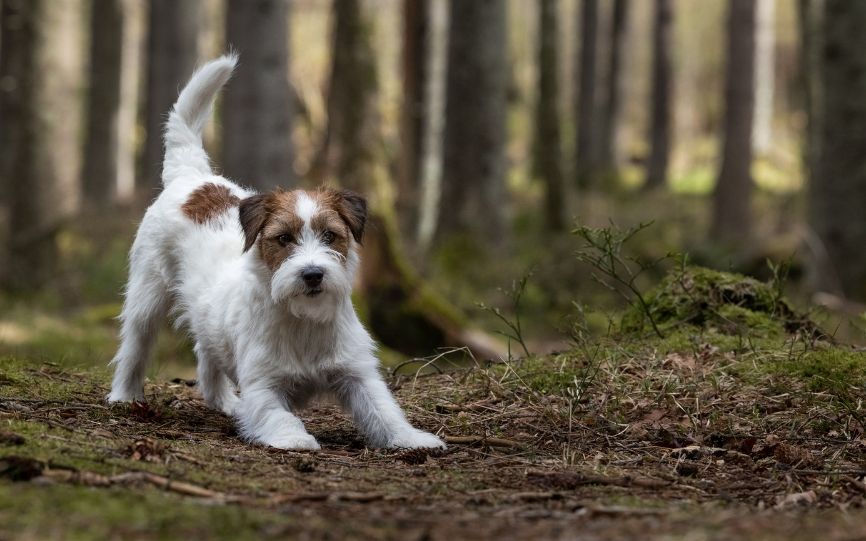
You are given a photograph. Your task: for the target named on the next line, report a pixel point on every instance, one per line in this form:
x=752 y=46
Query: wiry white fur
x=264 y=348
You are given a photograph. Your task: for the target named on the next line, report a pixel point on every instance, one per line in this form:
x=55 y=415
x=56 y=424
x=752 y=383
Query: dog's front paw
x=120 y=395
x=416 y=439
x=295 y=442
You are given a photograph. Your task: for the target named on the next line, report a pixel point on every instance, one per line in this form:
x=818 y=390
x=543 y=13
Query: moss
x=723 y=302
x=839 y=371
x=74 y=512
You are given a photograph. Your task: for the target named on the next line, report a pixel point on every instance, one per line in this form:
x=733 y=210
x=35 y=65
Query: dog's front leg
x=377 y=414
x=264 y=417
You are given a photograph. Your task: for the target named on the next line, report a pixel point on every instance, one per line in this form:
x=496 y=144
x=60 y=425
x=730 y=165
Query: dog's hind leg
x=145 y=307
x=216 y=389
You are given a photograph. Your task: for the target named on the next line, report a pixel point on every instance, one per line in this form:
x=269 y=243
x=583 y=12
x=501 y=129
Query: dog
x=262 y=282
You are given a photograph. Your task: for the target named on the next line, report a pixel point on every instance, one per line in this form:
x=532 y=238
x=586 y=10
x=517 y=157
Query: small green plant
x=603 y=250
x=514 y=330
x=780 y=272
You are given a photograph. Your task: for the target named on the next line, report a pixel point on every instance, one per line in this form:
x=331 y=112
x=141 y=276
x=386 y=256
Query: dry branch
x=493 y=442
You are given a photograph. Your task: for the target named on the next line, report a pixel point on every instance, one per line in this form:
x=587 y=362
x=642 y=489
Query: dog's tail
x=183 y=145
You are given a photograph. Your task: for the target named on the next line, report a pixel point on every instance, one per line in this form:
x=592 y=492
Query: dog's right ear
x=252 y=214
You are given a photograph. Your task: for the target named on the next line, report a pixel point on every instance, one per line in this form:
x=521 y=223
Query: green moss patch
x=723 y=302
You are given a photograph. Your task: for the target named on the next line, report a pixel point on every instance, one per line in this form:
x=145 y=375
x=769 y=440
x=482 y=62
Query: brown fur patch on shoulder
x=209 y=201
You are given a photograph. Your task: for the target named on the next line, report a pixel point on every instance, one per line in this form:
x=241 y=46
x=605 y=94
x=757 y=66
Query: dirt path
x=515 y=469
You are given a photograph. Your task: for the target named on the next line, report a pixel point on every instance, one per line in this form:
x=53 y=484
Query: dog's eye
x=328 y=237
x=285 y=239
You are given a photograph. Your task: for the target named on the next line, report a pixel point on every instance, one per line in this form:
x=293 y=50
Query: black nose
x=312 y=276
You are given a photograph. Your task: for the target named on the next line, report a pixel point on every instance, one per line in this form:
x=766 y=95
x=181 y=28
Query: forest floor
x=731 y=425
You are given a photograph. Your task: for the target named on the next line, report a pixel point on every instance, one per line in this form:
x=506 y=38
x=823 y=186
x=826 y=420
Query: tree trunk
x=401 y=312
x=257 y=111
x=172 y=51
x=39 y=112
x=765 y=43
x=130 y=79
x=99 y=175
x=585 y=152
x=351 y=137
x=732 y=216
x=660 y=97
x=416 y=39
x=609 y=158
x=473 y=188
x=839 y=184
x=547 y=152
x=430 y=186
x=809 y=59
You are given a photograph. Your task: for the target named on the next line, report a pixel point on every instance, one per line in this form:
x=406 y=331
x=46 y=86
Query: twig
x=360 y=497
x=618 y=510
x=187 y=489
x=572 y=480
x=95 y=479
x=493 y=442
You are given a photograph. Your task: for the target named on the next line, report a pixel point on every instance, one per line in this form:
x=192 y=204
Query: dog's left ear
x=252 y=214
x=352 y=208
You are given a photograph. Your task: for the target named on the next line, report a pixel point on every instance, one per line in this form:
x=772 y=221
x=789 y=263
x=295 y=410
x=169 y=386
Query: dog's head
x=308 y=242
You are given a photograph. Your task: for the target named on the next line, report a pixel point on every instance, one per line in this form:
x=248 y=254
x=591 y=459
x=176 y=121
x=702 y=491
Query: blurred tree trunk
x=257 y=111
x=130 y=82
x=416 y=37
x=839 y=183
x=660 y=97
x=100 y=171
x=473 y=177
x=810 y=38
x=585 y=152
x=401 y=311
x=732 y=216
x=608 y=145
x=430 y=183
x=547 y=151
x=172 y=52
x=765 y=43
x=39 y=112
x=350 y=140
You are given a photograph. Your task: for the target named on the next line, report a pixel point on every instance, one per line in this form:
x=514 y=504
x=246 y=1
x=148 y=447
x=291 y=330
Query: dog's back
x=196 y=212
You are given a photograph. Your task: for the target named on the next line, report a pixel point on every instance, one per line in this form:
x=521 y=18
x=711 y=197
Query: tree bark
x=585 y=152
x=415 y=67
x=257 y=111
x=839 y=183
x=660 y=97
x=765 y=42
x=808 y=27
x=401 y=311
x=430 y=185
x=39 y=112
x=732 y=216
x=473 y=188
x=350 y=139
x=172 y=52
x=547 y=152
x=100 y=171
x=609 y=158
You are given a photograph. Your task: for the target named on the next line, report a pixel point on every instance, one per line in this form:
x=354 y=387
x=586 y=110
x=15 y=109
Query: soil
x=523 y=462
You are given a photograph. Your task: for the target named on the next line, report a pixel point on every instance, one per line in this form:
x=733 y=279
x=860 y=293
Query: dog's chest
x=304 y=347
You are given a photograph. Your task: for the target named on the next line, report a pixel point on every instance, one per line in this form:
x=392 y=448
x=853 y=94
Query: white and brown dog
x=262 y=282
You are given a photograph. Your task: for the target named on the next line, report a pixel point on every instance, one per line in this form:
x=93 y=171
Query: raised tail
x=183 y=146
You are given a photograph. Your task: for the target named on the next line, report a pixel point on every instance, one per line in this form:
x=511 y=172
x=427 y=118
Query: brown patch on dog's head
x=272 y=219
x=350 y=206
x=209 y=201
x=281 y=229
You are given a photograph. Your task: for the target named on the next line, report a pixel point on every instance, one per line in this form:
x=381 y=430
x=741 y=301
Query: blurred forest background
x=482 y=131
